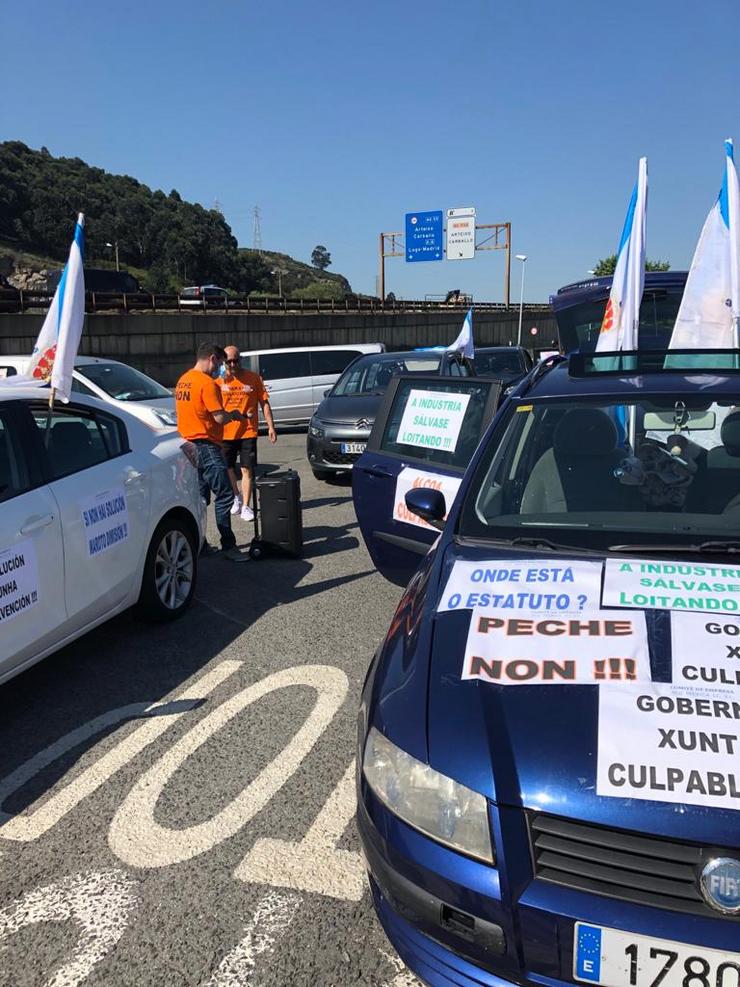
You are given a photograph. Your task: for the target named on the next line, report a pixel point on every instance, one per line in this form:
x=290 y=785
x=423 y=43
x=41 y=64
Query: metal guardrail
x=16 y=301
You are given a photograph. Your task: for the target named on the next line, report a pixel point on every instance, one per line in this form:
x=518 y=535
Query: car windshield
x=498 y=362
x=659 y=470
x=372 y=375
x=123 y=383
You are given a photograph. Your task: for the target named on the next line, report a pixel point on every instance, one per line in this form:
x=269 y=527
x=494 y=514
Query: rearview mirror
x=428 y=504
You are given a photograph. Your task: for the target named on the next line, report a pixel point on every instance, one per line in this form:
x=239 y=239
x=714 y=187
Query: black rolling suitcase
x=278 y=519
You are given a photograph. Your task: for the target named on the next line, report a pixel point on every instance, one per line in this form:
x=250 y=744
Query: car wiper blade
x=724 y=547
x=539 y=543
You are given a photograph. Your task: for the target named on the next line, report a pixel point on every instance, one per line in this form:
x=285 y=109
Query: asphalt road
x=177 y=800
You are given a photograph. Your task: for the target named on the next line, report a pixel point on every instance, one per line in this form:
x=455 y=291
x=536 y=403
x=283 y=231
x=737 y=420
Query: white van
x=113 y=382
x=297 y=378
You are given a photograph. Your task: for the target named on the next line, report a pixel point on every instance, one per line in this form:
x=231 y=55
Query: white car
x=98 y=512
x=113 y=382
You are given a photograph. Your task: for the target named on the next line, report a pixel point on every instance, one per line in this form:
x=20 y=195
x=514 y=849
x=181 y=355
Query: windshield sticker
x=537 y=586
x=19 y=580
x=656 y=585
x=524 y=407
x=433 y=419
x=105 y=520
x=645 y=733
x=605 y=646
x=411 y=479
x=706 y=651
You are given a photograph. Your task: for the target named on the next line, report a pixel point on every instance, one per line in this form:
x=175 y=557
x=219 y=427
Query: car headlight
x=315 y=429
x=427 y=800
x=167 y=418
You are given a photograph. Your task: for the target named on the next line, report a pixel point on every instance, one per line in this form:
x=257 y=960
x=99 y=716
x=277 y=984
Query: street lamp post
x=280 y=272
x=114 y=246
x=522 y=258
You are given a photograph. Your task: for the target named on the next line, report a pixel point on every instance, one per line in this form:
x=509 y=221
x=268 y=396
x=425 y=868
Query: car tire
x=170 y=572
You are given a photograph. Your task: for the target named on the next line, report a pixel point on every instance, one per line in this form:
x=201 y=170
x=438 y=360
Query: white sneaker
x=247 y=513
x=237 y=505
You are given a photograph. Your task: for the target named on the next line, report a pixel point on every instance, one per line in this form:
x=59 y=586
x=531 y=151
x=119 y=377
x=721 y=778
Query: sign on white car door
x=101 y=488
x=32 y=610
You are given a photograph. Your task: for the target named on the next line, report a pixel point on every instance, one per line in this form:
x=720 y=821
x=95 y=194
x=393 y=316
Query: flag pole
x=49 y=413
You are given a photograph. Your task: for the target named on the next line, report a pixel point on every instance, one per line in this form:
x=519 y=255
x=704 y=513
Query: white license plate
x=622 y=959
x=349 y=448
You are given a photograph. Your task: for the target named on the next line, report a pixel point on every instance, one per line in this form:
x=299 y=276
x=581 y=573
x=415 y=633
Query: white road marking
x=137 y=839
x=270 y=921
x=315 y=864
x=99 y=903
x=31 y=824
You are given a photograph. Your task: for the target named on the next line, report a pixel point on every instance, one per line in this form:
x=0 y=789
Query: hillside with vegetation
x=164 y=241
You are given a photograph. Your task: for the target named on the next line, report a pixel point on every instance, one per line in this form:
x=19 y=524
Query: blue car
x=549 y=735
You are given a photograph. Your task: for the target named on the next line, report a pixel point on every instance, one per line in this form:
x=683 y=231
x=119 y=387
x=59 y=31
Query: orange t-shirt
x=242 y=391
x=197 y=396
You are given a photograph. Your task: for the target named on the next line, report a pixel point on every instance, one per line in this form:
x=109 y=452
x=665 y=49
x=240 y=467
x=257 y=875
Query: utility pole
x=257 y=231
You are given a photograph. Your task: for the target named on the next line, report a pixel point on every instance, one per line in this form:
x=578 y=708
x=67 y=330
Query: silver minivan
x=298 y=377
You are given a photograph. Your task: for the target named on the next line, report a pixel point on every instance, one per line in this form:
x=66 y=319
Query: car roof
x=364 y=348
x=558 y=379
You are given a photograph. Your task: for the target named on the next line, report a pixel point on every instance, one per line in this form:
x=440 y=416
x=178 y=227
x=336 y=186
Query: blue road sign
x=423 y=236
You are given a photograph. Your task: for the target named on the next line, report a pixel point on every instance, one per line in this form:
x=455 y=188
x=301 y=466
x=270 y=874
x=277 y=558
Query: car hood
x=535 y=747
x=349 y=410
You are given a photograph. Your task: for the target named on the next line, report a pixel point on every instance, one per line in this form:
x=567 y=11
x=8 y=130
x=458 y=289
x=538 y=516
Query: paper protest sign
x=603 y=646
x=645 y=734
x=539 y=586
x=672 y=586
x=411 y=479
x=706 y=651
x=19 y=581
x=433 y=419
x=105 y=520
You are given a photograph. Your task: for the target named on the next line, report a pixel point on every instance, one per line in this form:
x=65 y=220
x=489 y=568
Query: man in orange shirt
x=201 y=417
x=243 y=391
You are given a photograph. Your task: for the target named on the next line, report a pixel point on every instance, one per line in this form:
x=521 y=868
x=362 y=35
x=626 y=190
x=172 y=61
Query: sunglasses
x=231 y=361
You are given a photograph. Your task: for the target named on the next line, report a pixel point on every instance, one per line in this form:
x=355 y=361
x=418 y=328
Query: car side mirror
x=428 y=504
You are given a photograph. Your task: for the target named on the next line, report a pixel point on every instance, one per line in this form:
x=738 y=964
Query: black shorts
x=243 y=450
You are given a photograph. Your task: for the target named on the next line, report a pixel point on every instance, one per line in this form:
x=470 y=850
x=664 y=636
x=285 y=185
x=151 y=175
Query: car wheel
x=325 y=475
x=170 y=572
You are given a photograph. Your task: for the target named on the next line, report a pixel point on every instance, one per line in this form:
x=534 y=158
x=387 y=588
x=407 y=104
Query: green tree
x=606 y=266
x=320 y=257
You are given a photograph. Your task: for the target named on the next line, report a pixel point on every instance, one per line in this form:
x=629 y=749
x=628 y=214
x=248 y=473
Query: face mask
x=218 y=371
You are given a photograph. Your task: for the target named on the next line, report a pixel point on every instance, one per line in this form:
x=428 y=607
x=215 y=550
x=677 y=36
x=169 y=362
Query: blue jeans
x=213 y=476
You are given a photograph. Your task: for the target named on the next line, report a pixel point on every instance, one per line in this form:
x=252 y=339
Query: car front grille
x=628 y=866
x=340 y=458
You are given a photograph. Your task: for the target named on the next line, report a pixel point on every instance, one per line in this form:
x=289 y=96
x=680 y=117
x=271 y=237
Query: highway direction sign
x=423 y=236
x=461 y=233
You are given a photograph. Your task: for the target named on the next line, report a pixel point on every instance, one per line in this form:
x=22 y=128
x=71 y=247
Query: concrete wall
x=163 y=345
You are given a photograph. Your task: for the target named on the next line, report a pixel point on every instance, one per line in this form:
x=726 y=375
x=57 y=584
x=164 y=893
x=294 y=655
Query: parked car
x=543 y=794
x=98 y=512
x=297 y=378
x=203 y=296
x=508 y=364
x=339 y=430
x=120 y=385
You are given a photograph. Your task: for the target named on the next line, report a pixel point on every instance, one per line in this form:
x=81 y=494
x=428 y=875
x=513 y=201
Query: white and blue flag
x=709 y=316
x=54 y=354
x=464 y=342
x=619 y=330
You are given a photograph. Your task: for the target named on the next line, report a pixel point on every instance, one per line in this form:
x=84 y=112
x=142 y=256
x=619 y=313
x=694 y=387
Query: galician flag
x=622 y=317
x=464 y=342
x=709 y=316
x=56 y=348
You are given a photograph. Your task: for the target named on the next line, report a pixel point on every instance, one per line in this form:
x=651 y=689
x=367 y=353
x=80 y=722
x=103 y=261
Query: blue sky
x=339 y=117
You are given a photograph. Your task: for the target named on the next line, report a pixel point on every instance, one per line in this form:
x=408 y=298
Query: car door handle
x=37 y=523
x=378 y=472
